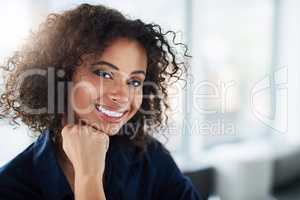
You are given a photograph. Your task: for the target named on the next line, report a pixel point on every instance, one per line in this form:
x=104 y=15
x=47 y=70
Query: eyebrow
x=116 y=68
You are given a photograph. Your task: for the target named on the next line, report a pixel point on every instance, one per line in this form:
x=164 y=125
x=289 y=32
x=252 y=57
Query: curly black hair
x=62 y=40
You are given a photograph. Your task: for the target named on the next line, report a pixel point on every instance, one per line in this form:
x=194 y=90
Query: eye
x=104 y=74
x=135 y=83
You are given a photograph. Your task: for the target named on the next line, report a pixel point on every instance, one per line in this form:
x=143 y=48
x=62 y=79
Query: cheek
x=82 y=95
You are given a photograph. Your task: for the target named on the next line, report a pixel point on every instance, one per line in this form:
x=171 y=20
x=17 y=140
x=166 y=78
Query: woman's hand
x=86 y=148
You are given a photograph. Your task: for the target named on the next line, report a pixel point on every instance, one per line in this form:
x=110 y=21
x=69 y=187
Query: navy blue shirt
x=36 y=174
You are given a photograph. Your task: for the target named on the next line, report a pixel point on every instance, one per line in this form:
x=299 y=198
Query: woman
x=94 y=84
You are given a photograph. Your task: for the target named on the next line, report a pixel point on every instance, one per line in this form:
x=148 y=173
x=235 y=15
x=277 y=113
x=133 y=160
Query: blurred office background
x=234 y=127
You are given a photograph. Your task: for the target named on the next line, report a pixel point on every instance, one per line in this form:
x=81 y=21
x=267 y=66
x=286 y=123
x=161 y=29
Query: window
x=232 y=49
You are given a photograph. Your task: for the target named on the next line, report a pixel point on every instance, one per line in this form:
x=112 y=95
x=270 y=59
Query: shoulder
x=158 y=153
x=159 y=159
x=18 y=165
x=170 y=181
x=16 y=176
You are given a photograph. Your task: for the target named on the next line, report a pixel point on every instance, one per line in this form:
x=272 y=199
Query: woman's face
x=108 y=89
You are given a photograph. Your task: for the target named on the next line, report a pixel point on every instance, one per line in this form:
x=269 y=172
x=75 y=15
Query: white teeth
x=109 y=112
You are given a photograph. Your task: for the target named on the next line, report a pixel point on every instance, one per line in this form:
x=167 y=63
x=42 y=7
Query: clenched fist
x=86 y=148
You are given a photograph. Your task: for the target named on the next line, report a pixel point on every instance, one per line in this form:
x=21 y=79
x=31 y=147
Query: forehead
x=128 y=55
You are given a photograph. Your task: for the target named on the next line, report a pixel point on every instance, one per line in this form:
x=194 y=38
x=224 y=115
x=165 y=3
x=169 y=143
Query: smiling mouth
x=109 y=115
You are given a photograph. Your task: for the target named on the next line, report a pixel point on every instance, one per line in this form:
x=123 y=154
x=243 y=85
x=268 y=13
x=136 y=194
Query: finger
x=84 y=129
x=90 y=128
x=96 y=128
x=82 y=122
x=68 y=126
x=66 y=129
x=107 y=143
x=103 y=138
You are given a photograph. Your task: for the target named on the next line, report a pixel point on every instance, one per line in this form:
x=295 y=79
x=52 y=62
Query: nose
x=119 y=93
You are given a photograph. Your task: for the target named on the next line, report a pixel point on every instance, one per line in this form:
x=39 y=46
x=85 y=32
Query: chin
x=109 y=129
x=112 y=133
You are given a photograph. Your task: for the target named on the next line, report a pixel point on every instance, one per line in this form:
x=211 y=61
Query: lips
x=108 y=114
